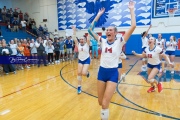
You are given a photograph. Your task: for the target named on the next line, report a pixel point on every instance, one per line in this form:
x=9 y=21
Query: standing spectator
x=50 y=52
x=30 y=23
x=61 y=48
x=41 y=51
x=56 y=51
x=11 y=18
x=33 y=49
x=4 y=12
x=94 y=48
x=15 y=24
x=26 y=17
x=15 y=14
x=45 y=29
x=8 y=16
x=34 y=29
x=6 y=51
x=69 y=45
x=20 y=16
x=13 y=47
x=23 y=25
x=9 y=27
x=26 y=46
x=20 y=50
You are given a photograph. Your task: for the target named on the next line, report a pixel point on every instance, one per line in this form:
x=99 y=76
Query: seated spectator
x=45 y=29
x=9 y=27
x=23 y=25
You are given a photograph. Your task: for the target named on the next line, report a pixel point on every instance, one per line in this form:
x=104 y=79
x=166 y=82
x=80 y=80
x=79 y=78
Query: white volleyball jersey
x=83 y=51
x=144 y=42
x=160 y=43
x=110 y=52
x=153 y=55
x=171 y=46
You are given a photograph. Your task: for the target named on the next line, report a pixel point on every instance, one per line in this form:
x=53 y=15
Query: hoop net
x=171 y=12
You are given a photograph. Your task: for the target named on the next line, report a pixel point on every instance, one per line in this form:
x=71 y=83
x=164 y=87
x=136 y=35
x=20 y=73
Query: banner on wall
x=82 y=12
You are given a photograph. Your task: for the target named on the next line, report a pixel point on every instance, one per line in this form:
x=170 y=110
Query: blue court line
x=149 y=112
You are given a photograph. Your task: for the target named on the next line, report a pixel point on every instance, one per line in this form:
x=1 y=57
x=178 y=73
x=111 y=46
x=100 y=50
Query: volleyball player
x=144 y=45
x=152 y=52
x=160 y=42
x=170 y=51
x=111 y=49
x=83 y=56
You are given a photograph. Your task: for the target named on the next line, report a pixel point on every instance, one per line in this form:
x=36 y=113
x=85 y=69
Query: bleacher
x=8 y=35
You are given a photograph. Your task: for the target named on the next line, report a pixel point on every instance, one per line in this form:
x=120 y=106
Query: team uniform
x=171 y=47
x=84 y=57
x=144 y=43
x=160 y=43
x=108 y=70
x=153 y=57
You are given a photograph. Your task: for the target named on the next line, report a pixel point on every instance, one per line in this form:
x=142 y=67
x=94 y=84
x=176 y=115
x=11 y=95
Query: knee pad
x=79 y=78
x=151 y=80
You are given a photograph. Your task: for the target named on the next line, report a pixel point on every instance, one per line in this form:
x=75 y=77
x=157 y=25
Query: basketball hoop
x=171 y=12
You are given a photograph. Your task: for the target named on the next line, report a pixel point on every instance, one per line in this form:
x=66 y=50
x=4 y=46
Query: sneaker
x=52 y=63
x=159 y=87
x=151 y=89
x=88 y=74
x=49 y=63
x=27 y=67
x=63 y=60
x=7 y=73
x=79 y=90
x=14 y=72
x=123 y=77
x=58 y=61
x=22 y=68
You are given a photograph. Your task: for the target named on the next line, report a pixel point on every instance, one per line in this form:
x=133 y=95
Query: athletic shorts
x=61 y=51
x=69 y=50
x=170 y=52
x=87 y=61
x=120 y=65
x=154 y=66
x=108 y=74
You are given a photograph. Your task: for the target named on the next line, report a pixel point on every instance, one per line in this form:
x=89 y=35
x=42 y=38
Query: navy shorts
x=120 y=65
x=154 y=66
x=142 y=50
x=108 y=74
x=87 y=61
x=170 y=52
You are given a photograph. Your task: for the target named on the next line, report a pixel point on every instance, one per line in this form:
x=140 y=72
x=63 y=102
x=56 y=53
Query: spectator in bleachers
x=20 y=16
x=9 y=27
x=55 y=34
x=34 y=29
x=40 y=30
x=45 y=29
x=12 y=16
x=15 y=24
x=6 y=51
x=8 y=15
x=4 y=12
x=26 y=17
x=0 y=32
x=23 y=25
x=15 y=14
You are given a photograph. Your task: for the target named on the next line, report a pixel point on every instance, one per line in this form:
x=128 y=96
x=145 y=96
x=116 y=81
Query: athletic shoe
x=79 y=90
x=52 y=63
x=160 y=88
x=7 y=73
x=14 y=72
x=123 y=77
x=151 y=89
x=88 y=74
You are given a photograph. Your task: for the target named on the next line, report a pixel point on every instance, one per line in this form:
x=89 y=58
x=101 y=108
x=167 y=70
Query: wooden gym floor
x=48 y=93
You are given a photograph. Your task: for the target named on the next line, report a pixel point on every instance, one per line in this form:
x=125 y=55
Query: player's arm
x=88 y=39
x=74 y=35
x=91 y=27
x=167 y=59
x=139 y=55
x=133 y=22
x=148 y=29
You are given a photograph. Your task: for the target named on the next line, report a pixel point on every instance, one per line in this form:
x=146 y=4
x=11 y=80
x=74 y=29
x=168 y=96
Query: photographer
x=41 y=51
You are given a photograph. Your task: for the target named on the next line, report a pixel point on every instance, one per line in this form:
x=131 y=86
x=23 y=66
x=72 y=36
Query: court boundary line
x=149 y=112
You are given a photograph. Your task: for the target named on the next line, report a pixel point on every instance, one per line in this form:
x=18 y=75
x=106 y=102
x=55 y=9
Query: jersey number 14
x=108 y=50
